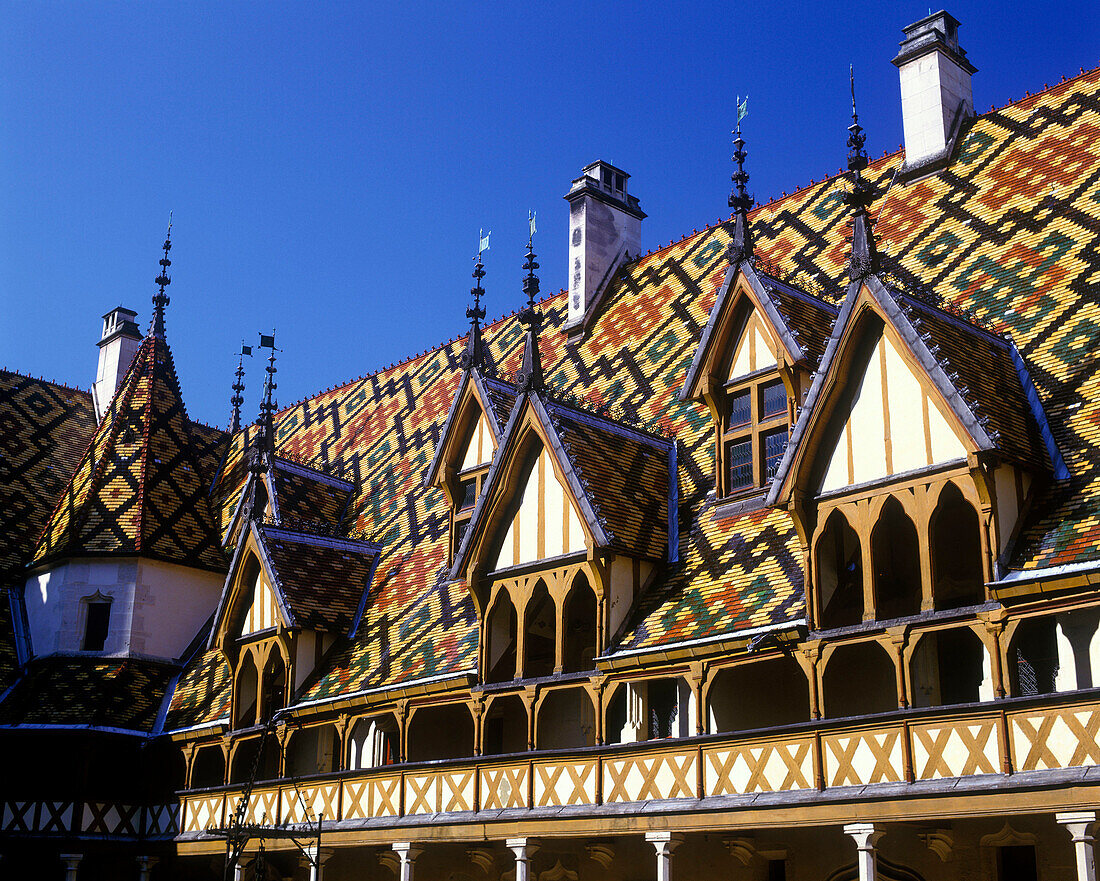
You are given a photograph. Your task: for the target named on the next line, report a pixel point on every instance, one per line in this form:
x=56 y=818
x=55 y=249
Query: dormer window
x=754 y=435
x=469 y=490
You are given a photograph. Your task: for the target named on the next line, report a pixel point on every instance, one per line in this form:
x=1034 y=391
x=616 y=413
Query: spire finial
x=265 y=437
x=474 y=356
x=740 y=201
x=160 y=299
x=530 y=373
x=864 y=260
x=238 y=389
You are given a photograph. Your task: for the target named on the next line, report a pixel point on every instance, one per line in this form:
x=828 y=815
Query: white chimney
x=936 y=96
x=605 y=230
x=117 y=347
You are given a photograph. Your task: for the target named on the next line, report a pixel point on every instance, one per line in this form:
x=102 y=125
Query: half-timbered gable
x=760 y=346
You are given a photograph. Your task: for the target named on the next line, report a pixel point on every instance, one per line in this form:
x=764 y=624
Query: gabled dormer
x=571 y=525
x=290 y=595
x=919 y=446
x=470 y=437
x=752 y=368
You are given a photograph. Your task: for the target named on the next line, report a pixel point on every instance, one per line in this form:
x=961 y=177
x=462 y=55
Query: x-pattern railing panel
x=759 y=767
x=504 y=787
x=864 y=757
x=1056 y=738
x=571 y=783
x=955 y=749
x=640 y=778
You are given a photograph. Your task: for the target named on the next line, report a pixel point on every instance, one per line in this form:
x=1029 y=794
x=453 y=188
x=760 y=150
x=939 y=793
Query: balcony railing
x=1011 y=736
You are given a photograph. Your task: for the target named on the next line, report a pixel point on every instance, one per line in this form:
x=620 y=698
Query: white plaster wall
x=480 y=449
x=1078 y=639
x=305 y=653
x=558 y=522
x=867 y=425
x=1007 y=508
x=753 y=350
x=622 y=591
x=262 y=610
x=156 y=608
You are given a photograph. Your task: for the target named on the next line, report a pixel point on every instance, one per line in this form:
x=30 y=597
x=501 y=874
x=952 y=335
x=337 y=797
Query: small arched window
x=97 y=622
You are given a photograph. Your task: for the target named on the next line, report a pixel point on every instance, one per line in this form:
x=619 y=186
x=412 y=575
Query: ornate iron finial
x=265 y=422
x=530 y=372
x=238 y=390
x=864 y=260
x=474 y=356
x=740 y=201
x=160 y=299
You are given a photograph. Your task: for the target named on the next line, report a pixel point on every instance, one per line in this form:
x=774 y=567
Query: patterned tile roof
x=624 y=475
x=202 y=694
x=44 y=428
x=302 y=494
x=322 y=579
x=986 y=376
x=1008 y=233
x=809 y=318
x=122 y=693
x=141 y=484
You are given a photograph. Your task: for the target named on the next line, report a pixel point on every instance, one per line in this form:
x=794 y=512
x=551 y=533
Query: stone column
x=523 y=849
x=407 y=852
x=145 y=867
x=866 y=837
x=72 y=863
x=664 y=843
x=316 y=858
x=1078 y=823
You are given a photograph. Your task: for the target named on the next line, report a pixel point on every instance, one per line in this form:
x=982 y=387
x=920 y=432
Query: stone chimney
x=117 y=347
x=605 y=230
x=936 y=96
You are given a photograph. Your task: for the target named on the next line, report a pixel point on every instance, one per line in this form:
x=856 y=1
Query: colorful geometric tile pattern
x=1010 y=233
x=141 y=485
x=304 y=496
x=202 y=694
x=625 y=478
x=44 y=428
x=322 y=580
x=115 y=693
x=1007 y=233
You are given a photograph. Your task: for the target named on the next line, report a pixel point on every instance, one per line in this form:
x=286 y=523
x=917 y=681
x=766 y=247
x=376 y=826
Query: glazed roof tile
x=322 y=579
x=124 y=693
x=141 y=485
x=624 y=475
x=202 y=694
x=1008 y=233
x=809 y=317
x=986 y=375
x=44 y=429
x=303 y=494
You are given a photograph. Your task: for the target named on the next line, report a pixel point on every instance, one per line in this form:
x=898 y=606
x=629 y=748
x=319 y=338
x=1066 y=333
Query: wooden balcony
x=1051 y=733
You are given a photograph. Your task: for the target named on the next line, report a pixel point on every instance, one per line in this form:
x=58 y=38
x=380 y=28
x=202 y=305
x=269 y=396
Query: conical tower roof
x=139 y=489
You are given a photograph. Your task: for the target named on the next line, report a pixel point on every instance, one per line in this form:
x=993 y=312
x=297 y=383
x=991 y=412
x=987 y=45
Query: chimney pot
x=936 y=93
x=118 y=344
x=605 y=229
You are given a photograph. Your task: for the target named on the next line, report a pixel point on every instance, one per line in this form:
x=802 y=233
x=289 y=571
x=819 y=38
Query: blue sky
x=329 y=165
